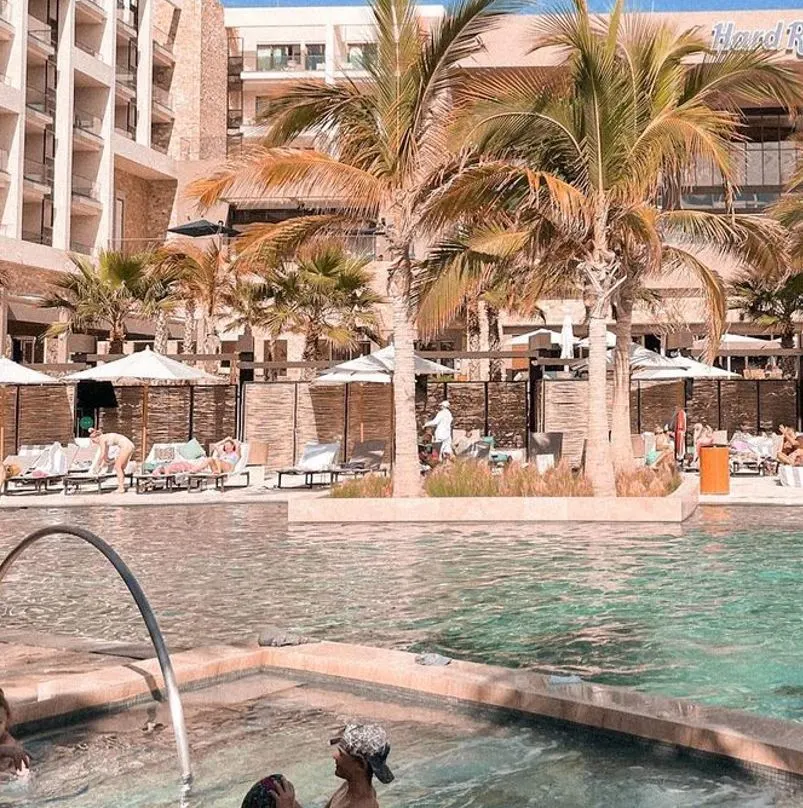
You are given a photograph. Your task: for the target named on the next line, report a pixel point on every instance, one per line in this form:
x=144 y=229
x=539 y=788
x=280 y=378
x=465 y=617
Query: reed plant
x=371 y=486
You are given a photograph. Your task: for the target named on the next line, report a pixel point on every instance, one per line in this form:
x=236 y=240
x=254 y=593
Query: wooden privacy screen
x=286 y=415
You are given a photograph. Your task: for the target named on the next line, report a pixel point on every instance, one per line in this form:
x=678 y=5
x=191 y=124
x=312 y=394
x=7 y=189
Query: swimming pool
x=442 y=758
x=709 y=611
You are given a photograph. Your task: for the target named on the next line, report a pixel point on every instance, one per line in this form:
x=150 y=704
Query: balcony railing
x=79 y=247
x=43 y=101
x=42 y=236
x=88 y=122
x=126 y=131
x=85 y=187
x=164 y=39
x=34 y=171
x=128 y=78
x=40 y=31
x=163 y=97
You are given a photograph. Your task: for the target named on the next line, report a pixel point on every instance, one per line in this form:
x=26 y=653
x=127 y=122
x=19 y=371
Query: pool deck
x=51 y=685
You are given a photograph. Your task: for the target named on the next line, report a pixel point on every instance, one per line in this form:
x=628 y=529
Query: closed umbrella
x=143 y=367
x=13 y=375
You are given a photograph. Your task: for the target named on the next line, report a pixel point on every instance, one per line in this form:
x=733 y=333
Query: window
x=278 y=57
x=316 y=57
x=361 y=55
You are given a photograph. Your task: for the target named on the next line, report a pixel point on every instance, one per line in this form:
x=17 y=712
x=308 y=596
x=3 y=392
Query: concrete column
x=12 y=215
x=3 y=320
x=63 y=127
x=145 y=72
x=331 y=40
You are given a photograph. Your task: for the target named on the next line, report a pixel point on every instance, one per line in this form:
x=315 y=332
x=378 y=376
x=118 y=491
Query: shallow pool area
x=442 y=757
x=708 y=611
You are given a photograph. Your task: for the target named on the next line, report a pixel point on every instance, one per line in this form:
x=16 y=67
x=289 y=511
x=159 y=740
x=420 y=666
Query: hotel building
x=271 y=46
x=91 y=146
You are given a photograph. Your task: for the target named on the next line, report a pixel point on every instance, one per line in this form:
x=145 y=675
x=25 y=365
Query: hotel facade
x=107 y=111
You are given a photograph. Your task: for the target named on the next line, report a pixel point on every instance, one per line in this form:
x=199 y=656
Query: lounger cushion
x=191 y=450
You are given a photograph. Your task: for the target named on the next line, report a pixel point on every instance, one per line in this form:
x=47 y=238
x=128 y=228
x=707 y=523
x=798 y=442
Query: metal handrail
x=155 y=633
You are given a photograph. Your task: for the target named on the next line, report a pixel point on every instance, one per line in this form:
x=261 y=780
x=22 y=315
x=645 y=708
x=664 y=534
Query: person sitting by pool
x=361 y=752
x=663 y=453
x=13 y=758
x=108 y=443
x=275 y=791
x=791 y=453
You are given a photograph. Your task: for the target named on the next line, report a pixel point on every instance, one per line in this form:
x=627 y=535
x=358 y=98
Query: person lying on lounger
x=13 y=758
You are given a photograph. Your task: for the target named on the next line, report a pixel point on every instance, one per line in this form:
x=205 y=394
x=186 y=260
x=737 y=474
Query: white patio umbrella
x=143 y=368
x=567 y=339
x=12 y=375
x=378 y=368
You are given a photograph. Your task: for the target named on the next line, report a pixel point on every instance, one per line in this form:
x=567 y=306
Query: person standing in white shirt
x=442 y=422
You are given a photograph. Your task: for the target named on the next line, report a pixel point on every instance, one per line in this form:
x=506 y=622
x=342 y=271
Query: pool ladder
x=174 y=700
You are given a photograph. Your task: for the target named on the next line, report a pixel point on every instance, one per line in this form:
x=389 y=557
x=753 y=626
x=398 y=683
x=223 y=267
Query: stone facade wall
x=148 y=206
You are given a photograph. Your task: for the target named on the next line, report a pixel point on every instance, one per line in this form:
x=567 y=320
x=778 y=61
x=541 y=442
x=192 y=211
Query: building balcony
x=162 y=105
x=6 y=26
x=87 y=131
x=163 y=42
x=40 y=41
x=41 y=106
x=89 y=11
x=43 y=235
x=125 y=84
x=80 y=248
x=85 y=195
x=127 y=20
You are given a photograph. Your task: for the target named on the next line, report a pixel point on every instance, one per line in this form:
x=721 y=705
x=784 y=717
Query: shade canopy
x=203 y=227
x=378 y=368
x=13 y=373
x=143 y=366
x=735 y=342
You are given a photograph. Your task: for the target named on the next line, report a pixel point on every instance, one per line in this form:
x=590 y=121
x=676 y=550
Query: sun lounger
x=49 y=467
x=198 y=480
x=366 y=458
x=317 y=460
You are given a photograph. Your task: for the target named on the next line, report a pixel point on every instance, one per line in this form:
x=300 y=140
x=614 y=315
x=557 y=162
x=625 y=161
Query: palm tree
x=382 y=151
x=769 y=303
x=325 y=294
x=103 y=294
x=579 y=160
x=203 y=277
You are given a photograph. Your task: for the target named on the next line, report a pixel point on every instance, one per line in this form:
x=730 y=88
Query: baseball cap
x=368 y=742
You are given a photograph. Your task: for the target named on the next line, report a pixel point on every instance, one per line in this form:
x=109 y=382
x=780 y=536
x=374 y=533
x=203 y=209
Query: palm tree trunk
x=473 y=337
x=189 y=328
x=621 y=444
x=494 y=342
x=406 y=471
x=161 y=332
x=599 y=467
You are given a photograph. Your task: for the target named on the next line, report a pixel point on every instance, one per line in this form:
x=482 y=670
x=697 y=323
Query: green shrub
x=371 y=485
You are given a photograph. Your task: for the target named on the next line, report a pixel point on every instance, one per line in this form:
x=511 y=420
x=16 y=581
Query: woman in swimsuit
x=105 y=441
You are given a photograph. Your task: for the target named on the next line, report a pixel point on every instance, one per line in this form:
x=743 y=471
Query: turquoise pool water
x=442 y=758
x=711 y=611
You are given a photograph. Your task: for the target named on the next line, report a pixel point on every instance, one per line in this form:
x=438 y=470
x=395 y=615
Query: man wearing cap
x=443 y=429
x=360 y=753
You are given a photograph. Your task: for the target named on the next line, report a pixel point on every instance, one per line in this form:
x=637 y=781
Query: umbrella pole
x=145 y=421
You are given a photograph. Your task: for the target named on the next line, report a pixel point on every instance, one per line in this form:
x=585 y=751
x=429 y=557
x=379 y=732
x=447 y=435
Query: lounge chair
x=161 y=454
x=198 y=480
x=50 y=466
x=366 y=458
x=318 y=459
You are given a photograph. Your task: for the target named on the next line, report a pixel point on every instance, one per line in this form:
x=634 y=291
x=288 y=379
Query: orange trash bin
x=714 y=470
